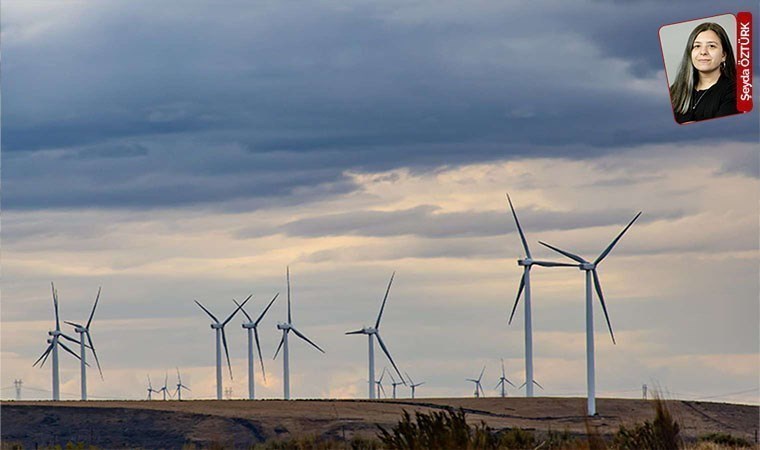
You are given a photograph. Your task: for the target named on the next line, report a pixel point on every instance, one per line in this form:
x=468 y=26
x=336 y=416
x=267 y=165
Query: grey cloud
x=415 y=86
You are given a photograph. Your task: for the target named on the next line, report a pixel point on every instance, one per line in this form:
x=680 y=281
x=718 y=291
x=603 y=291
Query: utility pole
x=17 y=384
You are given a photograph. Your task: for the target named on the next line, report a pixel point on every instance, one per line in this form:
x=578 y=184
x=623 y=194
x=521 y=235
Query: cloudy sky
x=173 y=151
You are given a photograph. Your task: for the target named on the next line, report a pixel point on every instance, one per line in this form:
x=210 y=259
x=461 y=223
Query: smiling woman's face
x=707 y=52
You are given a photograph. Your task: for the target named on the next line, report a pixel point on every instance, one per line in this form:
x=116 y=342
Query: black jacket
x=716 y=101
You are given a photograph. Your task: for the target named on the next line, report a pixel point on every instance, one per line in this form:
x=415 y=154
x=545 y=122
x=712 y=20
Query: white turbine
x=478 y=387
x=379 y=384
x=503 y=381
x=412 y=384
x=527 y=263
x=254 y=332
x=151 y=390
x=221 y=338
x=590 y=269
x=85 y=331
x=375 y=331
x=164 y=388
x=53 y=344
x=180 y=386
x=395 y=383
x=286 y=328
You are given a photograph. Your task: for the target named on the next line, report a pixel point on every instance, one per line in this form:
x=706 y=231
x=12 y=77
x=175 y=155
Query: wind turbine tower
x=54 y=341
x=371 y=332
x=180 y=386
x=478 y=387
x=526 y=264
x=254 y=332
x=151 y=390
x=221 y=338
x=286 y=328
x=85 y=331
x=503 y=380
x=590 y=269
x=17 y=384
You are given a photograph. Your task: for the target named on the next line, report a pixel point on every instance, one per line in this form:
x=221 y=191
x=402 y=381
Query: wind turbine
x=590 y=269
x=254 y=332
x=53 y=343
x=85 y=330
x=221 y=338
x=286 y=328
x=478 y=387
x=527 y=263
x=151 y=390
x=375 y=331
x=395 y=383
x=164 y=388
x=379 y=383
x=180 y=386
x=412 y=384
x=503 y=380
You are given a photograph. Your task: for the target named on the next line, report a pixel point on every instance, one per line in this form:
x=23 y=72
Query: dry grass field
x=170 y=424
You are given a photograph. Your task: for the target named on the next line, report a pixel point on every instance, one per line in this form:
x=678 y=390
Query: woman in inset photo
x=705 y=86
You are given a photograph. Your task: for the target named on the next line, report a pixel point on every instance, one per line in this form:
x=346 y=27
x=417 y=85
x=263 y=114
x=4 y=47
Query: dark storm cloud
x=322 y=89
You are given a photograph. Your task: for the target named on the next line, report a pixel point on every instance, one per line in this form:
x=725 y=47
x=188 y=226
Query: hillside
x=170 y=424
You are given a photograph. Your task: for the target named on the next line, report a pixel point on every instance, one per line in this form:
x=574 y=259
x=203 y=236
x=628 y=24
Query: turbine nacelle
x=54 y=333
x=284 y=326
x=525 y=262
x=587 y=266
x=217 y=326
x=249 y=325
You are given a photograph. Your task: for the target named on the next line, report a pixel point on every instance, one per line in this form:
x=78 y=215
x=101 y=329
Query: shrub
x=660 y=434
x=725 y=439
x=437 y=430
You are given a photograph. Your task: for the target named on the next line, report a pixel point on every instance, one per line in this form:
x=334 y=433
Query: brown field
x=170 y=424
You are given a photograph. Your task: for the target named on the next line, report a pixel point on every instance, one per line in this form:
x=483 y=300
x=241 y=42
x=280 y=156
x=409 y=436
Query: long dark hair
x=681 y=90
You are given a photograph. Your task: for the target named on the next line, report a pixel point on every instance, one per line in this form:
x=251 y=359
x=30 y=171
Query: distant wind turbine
x=254 y=332
x=85 y=331
x=221 y=338
x=164 y=389
x=180 y=386
x=478 y=387
x=503 y=380
x=286 y=328
x=412 y=384
x=395 y=383
x=53 y=343
x=527 y=263
x=151 y=390
x=375 y=331
x=590 y=269
x=379 y=383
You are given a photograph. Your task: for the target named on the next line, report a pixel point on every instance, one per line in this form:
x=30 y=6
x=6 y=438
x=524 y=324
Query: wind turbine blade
x=258 y=346
x=282 y=341
x=510 y=383
x=92 y=313
x=553 y=264
x=226 y=352
x=92 y=347
x=73 y=324
x=240 y=306
x=244 y=312
x=519 y=292
x=388 y=354
x=382 y=375
x=69 y=338
x=380 y=314
x=207 y=311
x=598 y=287
x=290 y=319
x=55 y=305
x=267 y=308
x=521 y=386
x=519 y=228
x=419 y=384
x=355 y=332
x=179 y=378
x=501 y=381
x=481 y=373
x=612 y=244
x=410 y=378
x=382 y=389
x=568 y=254
x=150 y=386
x=69 y=350
x=502 y=368
x=536 y=383
x=299 y=334
x=44 y=355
